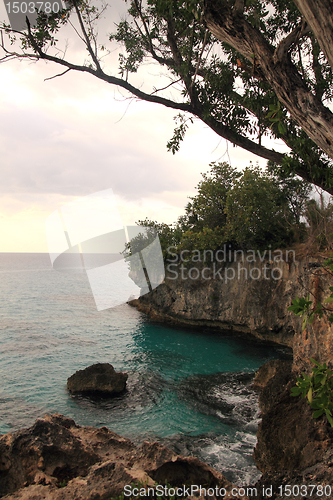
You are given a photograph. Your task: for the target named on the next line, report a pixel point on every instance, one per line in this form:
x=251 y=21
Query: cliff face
x=59 y=460
x=246 y=296
x=292 y=447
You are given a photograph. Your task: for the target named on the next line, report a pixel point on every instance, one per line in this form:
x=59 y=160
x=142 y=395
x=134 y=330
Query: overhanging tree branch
x=219 y=128
x=281 y=51
x=86 y=37
x=304 y=107
x=173 y=34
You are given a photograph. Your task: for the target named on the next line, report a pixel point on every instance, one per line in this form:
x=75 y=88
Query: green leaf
x=330 y=419
x=304 y=323
x=310 y=395
x=296 y=391
x=329 y=299
x=318 y=413
x=282 y=128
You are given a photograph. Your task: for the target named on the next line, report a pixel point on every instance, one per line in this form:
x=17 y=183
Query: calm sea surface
x=189 y=389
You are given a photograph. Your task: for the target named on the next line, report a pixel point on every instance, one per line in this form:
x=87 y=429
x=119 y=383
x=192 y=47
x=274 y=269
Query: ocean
x=190 y=389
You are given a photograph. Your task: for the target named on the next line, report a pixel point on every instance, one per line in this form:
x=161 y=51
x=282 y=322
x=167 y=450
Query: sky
x=75 y=135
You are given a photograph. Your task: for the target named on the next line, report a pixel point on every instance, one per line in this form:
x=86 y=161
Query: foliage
x=318 y=389
x=207 y=208
x=206 y=239
x=256 y=209
x=250 y=209
x=172 y=33
x=319 y=217
x=320 y=236
x=232 y=91
x=295 y=190
x=144 y=247
x=302 y=307
x=168 y=234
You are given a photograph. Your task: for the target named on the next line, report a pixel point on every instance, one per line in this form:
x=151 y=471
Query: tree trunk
x=319 y=16
x=275 y=65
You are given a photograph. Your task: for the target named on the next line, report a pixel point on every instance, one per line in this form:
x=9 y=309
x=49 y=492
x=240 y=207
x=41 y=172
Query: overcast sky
x=74 y=135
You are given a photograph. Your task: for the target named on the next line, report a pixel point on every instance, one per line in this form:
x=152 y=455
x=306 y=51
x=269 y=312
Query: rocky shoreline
x=292 y=448
x=57 y=459
x=256 y=307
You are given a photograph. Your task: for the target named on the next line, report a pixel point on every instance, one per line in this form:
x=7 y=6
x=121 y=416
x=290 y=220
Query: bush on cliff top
x=250 y=210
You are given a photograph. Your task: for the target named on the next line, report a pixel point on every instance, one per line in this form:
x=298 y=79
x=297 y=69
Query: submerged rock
x=59 y=460
x=99 y=379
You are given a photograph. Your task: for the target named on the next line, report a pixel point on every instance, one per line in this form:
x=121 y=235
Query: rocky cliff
x=56 y=459
x=294 y=451
x=59 y=460
x=245 y=296
x=292 y=448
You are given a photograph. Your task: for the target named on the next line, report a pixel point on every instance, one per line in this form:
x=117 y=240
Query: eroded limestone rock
x=56 y=459
x=98 y=379
x=292 y=447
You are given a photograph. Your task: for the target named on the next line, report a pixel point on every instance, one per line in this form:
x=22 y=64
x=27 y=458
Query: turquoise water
x=190 y=389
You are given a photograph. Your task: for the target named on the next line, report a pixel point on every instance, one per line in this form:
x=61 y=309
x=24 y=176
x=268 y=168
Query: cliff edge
x=250 y=297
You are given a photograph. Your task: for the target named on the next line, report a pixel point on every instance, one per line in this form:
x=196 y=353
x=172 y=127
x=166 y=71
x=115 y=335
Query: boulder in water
x=98 y=379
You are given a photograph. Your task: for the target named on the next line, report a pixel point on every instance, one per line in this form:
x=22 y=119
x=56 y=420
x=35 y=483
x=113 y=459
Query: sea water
x=190 y=389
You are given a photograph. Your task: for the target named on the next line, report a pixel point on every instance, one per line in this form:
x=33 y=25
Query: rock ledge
x=60 y=460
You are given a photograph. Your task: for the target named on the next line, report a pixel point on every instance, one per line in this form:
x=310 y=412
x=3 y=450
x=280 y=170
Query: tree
x=208 y=208
x=258 y=213
x=295 y=191
x=246 y=68
x=248 y=210
x=253 y=40
x=252 y=209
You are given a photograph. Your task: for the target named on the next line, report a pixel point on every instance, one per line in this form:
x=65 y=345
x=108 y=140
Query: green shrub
x=318 y=389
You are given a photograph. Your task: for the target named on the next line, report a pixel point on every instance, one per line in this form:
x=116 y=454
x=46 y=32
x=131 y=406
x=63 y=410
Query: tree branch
x=59 y=74
x=167 y=86
x=285 y=80
x=173 y=44
x=150 y=43
x=86 y=37
x=33 y=42
x=319 y=15
x=200 y=58
x=240 y=140
x=192 y=108
x=281 y=51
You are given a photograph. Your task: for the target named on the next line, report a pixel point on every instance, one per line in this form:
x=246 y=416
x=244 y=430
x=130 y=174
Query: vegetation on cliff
x=253 y=209
x=318 y=389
